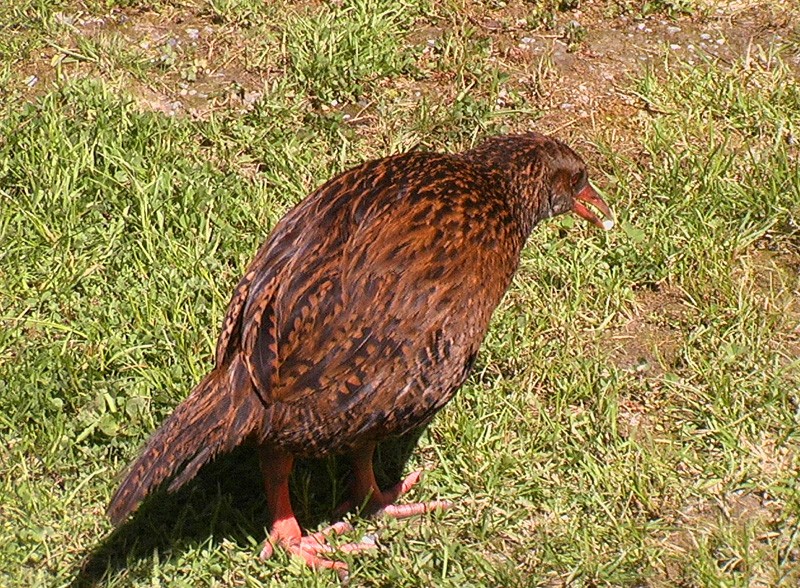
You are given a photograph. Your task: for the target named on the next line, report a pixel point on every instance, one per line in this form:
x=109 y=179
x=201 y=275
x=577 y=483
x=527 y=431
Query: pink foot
x=313 y=548
x=308 y=547
x=383 y=502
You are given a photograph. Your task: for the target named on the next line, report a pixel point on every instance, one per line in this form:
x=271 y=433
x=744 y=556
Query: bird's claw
x=314 y=548
x=384 y=503
x=309 y=547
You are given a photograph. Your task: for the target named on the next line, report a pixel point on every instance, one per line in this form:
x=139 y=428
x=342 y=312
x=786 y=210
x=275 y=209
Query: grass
x=632 y=419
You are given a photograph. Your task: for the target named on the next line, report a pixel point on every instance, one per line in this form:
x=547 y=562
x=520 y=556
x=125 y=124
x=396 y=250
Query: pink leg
x=365 y=491
x=276 y=466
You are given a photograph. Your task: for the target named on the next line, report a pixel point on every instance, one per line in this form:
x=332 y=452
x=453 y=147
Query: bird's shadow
x=226 y=501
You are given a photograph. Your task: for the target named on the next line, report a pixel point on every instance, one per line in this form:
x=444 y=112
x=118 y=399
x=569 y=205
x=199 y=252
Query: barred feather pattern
x=221 y=413
x=361 y=315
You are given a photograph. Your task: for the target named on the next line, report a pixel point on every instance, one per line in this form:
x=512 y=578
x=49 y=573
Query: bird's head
x=570 y=190
x=541 y=177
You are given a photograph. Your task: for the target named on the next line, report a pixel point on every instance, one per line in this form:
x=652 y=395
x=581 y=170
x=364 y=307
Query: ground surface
x=634 y=416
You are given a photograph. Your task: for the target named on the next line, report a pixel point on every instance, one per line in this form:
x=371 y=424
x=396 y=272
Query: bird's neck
x=520 y=180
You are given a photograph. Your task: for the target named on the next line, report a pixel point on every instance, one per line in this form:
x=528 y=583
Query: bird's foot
x=287 y=535
x=313 y=548
x=383 y=503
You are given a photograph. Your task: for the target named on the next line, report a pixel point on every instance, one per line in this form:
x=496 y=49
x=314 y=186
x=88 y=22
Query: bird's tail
x=220 y=413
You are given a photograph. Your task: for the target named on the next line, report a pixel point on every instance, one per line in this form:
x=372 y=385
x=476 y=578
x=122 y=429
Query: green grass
x=633 y=418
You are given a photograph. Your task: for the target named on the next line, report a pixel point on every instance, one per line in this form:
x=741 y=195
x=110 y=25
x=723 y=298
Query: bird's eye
x=578 y=179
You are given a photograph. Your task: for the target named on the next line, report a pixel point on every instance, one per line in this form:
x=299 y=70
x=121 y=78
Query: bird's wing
x=386 y=310
x=260 y=342
x=256 y=337
x=364 y=283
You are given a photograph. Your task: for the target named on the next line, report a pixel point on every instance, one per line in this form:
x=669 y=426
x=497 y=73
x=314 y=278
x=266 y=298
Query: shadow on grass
x=226 y=501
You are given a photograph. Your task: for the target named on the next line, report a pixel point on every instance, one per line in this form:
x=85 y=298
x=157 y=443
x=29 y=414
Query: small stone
x=193 y=33
x=251 y=98
x=674 y=46
x=64 y=19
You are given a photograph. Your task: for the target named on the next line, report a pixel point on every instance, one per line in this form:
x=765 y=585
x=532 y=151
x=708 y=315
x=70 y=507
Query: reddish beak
x=589 y=197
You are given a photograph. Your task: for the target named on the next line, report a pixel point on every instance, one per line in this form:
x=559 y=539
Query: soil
x=577 y=71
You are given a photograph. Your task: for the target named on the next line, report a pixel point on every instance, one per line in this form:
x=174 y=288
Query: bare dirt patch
x=771 y=272
x=591 y=76
x=575 y=69
x=648 y=343
x=743 y=521
x=179 y=61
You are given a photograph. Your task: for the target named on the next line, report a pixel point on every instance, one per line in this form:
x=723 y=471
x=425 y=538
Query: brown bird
x=360 y=317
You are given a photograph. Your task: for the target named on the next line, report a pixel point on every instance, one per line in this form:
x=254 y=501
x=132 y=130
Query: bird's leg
x=276 y=467
x=366 y=493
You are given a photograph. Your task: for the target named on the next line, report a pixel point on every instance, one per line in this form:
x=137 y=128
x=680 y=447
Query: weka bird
x=360 y=317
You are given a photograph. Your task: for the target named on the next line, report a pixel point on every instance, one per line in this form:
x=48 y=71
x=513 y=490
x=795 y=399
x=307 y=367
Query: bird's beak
x=588 y=196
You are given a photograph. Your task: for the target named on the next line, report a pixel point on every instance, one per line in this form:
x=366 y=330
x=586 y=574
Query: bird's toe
x=310 y=548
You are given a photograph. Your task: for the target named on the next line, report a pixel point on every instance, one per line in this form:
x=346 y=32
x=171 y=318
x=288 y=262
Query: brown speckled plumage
x=362 y=314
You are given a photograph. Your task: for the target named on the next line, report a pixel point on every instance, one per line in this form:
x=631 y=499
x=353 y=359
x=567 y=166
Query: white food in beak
x=608 y=224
